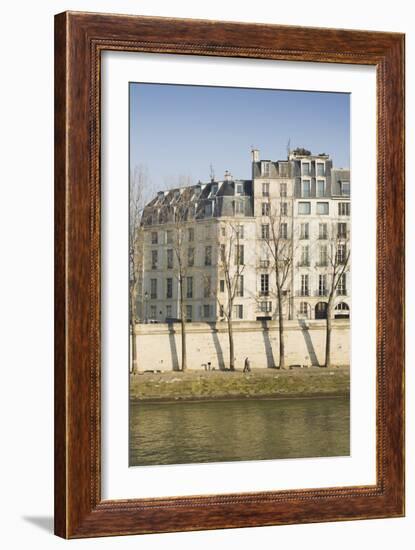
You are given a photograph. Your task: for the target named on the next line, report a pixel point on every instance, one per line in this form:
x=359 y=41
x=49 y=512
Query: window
x=320 y=169
x=306 y=189
x=239 y=207
x=213 y=189
x=306 y=168
x=208 y=255
x=238 y=311
x=341 y=285
x=265 y=189
x=322 y=231
x=344 y=208
x=169 y=237
x=284 y=209
x=221 y=311
x=323 y=208
x=207 y=286
x=341 y=230
x=305 y=259
x=170 y=258
x=341 y=253
x=304 y=231
x=265 y=231
x=264 y=284
x=240 y=286
x=284 y=230
x=240 y=231
x=189 y=313
x=153 y=312
x=239 y=254
x=154 y=259
x=168 y=312
x=265 y=307
x=190 y=257
x=208 y=209
x=263 y=264
x=345 y=188
x=239 y=188
x=223 y=231
x=206 y=311
x=322 y=285
x=304 y=208
x=222 y=285
x=223 y=253
x=283 y=190
x=154 y=237
x=153 y=289
x=169 y=288
x=189 y=287
x=321 y=188
x=304 y=285
x=322 y=256
x=265 y=168
x=191 y=234
x=265 y=208
x=304 y=309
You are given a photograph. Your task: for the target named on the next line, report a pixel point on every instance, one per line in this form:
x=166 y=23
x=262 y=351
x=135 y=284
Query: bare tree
x=138 y=189
x=338 y=265
x=275 y=234
x=231 y=262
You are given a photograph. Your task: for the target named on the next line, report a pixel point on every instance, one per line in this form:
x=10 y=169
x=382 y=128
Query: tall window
x=320 y=169
x=322 y=285
x=265 y=231
x=169 y=258
x=154 y=237
x=284 y=230
x=206 y=311
x=341 y=253
x=169 y=288
x=344 y=208
x=207 y=287
x=341 y=230
x=283 y=189
x=265 y=168
x=189 y=313
x=240 y=231
x=208 y=255
x=322 y=208
x=321 y=188
x=153 y=312
x=341 y=285
x=304 y=231
x=305 y=258
x=322 y=231
x=239 y=207
x=239 y=254
x=191 y=234
x=304 y=285
x=304 y=309
x=189 y=287
x=190 y=257
x=306 y=168
x=265 y=189
x=345 y=188
x=238 y=311
x=240 y=286
x=153 y=289
x=265 y=208
x=322 y=256
x=304 y=208
x=154 y=259
x=239 y=188
x=168 y=312
x=169 y=237
x=222 y=285
x=306 y=189
x=284 y=209
x=264 y=284
x=223 y=253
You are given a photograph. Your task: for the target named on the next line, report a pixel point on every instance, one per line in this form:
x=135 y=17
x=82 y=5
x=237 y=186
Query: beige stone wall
x=159 y=345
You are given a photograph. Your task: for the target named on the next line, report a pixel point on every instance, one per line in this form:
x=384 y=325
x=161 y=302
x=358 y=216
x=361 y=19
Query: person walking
x=247 y=365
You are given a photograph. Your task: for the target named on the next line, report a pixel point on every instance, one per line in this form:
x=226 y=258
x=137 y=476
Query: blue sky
x=177 y=132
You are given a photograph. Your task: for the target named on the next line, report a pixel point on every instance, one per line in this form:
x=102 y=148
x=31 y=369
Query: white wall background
x=26 y=274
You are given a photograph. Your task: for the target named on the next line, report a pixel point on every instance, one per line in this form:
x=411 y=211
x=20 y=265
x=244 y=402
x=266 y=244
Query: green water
x=251 y=429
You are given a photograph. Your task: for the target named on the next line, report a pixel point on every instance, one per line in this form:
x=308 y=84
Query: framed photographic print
x=229 y=335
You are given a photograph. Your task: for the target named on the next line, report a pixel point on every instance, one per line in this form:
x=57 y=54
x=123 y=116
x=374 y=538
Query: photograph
x=239 y=274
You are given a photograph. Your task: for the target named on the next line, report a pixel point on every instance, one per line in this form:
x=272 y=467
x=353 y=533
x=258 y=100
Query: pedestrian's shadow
x=43 y=522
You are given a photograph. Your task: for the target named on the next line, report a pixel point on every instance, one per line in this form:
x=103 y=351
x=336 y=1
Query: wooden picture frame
x=79 y=40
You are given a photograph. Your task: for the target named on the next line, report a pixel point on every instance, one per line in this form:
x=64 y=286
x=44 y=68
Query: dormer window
x=306 y=168
x=214 y=189
x=265 y=168
x=345 y=188
x=239 y=189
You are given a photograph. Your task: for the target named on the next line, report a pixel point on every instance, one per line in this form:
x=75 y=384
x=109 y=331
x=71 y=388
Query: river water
x=250 y=429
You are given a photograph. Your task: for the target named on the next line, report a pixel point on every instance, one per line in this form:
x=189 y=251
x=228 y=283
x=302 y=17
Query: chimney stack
x=255 y=154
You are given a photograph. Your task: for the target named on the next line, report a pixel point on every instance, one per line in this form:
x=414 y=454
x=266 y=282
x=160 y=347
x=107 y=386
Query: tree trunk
x=183 y=326
x=327 y=362
x=134 y=349
x=281 y=330
x=231 y=347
